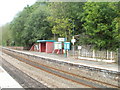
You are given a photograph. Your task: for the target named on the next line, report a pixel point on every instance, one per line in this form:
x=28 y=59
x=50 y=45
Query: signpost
x=73 y=42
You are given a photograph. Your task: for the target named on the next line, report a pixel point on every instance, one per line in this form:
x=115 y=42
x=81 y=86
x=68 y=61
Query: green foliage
x=37 y=27
x=62 y=17
x=6 y=35
x=18 y=24
x=30 y=25
x=100 y=25
x=92 y=23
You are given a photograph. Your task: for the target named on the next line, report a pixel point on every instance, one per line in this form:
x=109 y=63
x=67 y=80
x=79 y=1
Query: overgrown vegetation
x=96 y=24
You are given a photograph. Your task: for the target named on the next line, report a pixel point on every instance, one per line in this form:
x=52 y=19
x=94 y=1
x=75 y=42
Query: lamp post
x=73 y=28
x=73 y=38
x=73 y=25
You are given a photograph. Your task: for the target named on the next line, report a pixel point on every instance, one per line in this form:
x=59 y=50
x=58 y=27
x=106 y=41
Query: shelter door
x=43 y=47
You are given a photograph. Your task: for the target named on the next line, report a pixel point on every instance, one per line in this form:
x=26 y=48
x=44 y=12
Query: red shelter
x=46 y=45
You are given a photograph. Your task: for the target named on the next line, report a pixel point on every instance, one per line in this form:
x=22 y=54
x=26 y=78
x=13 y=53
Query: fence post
x=79 y=53
x=111 y=55
x=93 y=53
x=107 y=54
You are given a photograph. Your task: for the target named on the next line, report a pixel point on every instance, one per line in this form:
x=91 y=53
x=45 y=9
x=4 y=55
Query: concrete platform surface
x=6 y=81
x=89 y=63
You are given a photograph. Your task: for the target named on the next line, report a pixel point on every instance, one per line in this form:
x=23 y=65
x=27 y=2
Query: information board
x=66 y=45
x=57 y=45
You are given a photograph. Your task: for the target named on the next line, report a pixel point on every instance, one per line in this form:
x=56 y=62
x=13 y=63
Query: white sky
x=9 y=8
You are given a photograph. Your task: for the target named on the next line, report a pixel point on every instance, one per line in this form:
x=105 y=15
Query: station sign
x=57 y=45
x=73 y=41
x=61 y=39
x=66 y=45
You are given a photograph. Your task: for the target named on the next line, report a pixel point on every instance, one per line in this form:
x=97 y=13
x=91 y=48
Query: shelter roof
x=45 y=40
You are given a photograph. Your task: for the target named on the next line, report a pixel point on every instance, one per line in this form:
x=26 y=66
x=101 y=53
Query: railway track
x=22 y=78
x=88 y=82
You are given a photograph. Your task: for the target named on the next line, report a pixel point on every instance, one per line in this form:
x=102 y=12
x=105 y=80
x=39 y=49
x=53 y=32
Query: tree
x=100 y=25
x=6 y=35
x=37 y=26
x=62 y=17
x=17 y=25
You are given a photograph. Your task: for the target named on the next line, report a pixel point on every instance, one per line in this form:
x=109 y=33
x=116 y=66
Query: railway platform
x=99 y=65
x=102 y=66
x=6 y=81
x=112 y=67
